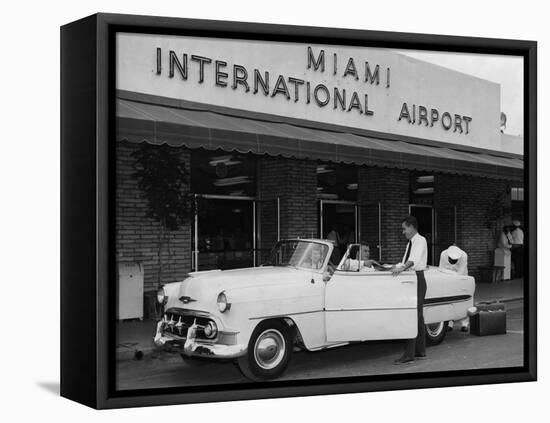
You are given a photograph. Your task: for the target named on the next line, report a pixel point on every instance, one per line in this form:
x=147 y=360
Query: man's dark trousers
x=418 y=345
x=517 y=259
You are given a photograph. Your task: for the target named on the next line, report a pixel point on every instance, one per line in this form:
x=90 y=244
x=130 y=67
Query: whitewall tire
x=269 y=351
x=435 y=333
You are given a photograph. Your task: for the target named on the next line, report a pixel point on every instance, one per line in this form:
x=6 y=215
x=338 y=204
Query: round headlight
x=210 y=330
x=223 y=304
x=161 y=296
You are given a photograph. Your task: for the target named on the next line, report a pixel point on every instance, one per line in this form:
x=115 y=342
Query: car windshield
x=305 y=254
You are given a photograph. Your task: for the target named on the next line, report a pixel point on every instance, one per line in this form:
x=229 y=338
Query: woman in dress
x=503 y=256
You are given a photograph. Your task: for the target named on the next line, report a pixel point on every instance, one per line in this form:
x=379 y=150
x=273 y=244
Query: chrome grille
x=177 y=322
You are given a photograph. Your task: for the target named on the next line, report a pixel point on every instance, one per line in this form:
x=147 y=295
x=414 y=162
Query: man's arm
x=398 y=269
x=418 y=248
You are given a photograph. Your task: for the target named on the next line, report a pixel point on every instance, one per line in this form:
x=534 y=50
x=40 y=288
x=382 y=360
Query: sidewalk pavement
x=504 y=291
x=135 y=337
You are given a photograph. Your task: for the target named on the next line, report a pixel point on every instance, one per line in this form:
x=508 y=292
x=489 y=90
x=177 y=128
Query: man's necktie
x=408 y=253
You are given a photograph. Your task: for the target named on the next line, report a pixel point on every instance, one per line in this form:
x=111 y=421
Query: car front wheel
x=435 y=333
x=269 y=351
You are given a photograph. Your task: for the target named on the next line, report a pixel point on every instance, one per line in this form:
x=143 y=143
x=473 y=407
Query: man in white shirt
x=517 y=233
x=415 y=258
x=455 y=260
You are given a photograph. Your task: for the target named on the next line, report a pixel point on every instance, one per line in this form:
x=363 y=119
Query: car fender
x=292 y=303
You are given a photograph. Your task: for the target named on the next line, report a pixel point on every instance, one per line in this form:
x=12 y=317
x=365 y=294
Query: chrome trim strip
x=188 y=312
x=371 y=309
x=446 y=302
x=285 y=315
x=330 y=310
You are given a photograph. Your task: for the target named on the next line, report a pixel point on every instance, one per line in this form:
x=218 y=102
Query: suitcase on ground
x=490 y=319
x=490 y=306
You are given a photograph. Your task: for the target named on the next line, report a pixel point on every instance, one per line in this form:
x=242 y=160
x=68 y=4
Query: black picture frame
x=87 y=209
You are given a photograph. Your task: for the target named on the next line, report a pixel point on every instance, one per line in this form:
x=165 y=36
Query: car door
x=361 y=306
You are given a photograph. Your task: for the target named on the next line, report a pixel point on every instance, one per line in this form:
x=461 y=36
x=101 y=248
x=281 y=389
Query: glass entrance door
x=233 y=232
x=370 y=228
x=426 y=227
x=223 y=233
x=338 y=223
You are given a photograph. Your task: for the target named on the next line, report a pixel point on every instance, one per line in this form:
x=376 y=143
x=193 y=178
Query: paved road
x=459 y=351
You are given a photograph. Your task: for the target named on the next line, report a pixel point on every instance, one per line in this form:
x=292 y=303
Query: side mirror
x=326 y=276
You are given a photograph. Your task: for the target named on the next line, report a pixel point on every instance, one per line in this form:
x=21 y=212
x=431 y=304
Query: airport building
x=285 y=140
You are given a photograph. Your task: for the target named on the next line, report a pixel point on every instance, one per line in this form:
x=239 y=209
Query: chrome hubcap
x=435 y=329
x=269 y=349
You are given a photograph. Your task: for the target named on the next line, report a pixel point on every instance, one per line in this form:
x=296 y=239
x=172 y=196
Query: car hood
x=201 y=289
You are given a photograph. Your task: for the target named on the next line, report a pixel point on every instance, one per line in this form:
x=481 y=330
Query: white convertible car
x=299 y=298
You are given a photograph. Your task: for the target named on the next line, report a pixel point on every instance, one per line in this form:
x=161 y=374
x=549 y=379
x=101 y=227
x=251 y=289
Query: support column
x=390 y=187
x=295 y=183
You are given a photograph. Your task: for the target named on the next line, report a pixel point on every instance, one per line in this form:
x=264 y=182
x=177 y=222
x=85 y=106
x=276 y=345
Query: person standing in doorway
x=517 y=249
x=415 y=258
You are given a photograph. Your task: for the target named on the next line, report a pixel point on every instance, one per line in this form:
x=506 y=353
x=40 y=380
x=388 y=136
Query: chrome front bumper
x=197 y=348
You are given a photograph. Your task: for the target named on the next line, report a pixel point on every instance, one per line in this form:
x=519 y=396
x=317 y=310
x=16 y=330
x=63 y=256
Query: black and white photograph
x=295 y=211
x=275 y=212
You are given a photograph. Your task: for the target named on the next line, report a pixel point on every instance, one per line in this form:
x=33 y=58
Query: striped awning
x=159 y=124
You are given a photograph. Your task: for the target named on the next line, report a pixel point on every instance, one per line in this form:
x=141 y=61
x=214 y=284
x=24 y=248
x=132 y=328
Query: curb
x=508 y=300
x=501 y=300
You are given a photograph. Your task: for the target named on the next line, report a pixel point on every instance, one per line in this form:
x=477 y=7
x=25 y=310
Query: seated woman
x=358 y=260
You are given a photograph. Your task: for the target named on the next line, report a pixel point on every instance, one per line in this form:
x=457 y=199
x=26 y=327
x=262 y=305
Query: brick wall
x=137 y=235
x=390 y=188
x=295 y=182
x=472 y=197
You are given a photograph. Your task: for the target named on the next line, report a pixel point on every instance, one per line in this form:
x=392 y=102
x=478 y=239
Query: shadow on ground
x=51 y=387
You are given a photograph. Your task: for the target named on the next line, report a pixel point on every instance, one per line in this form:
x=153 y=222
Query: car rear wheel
x=269 y=351
x=435 y=333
